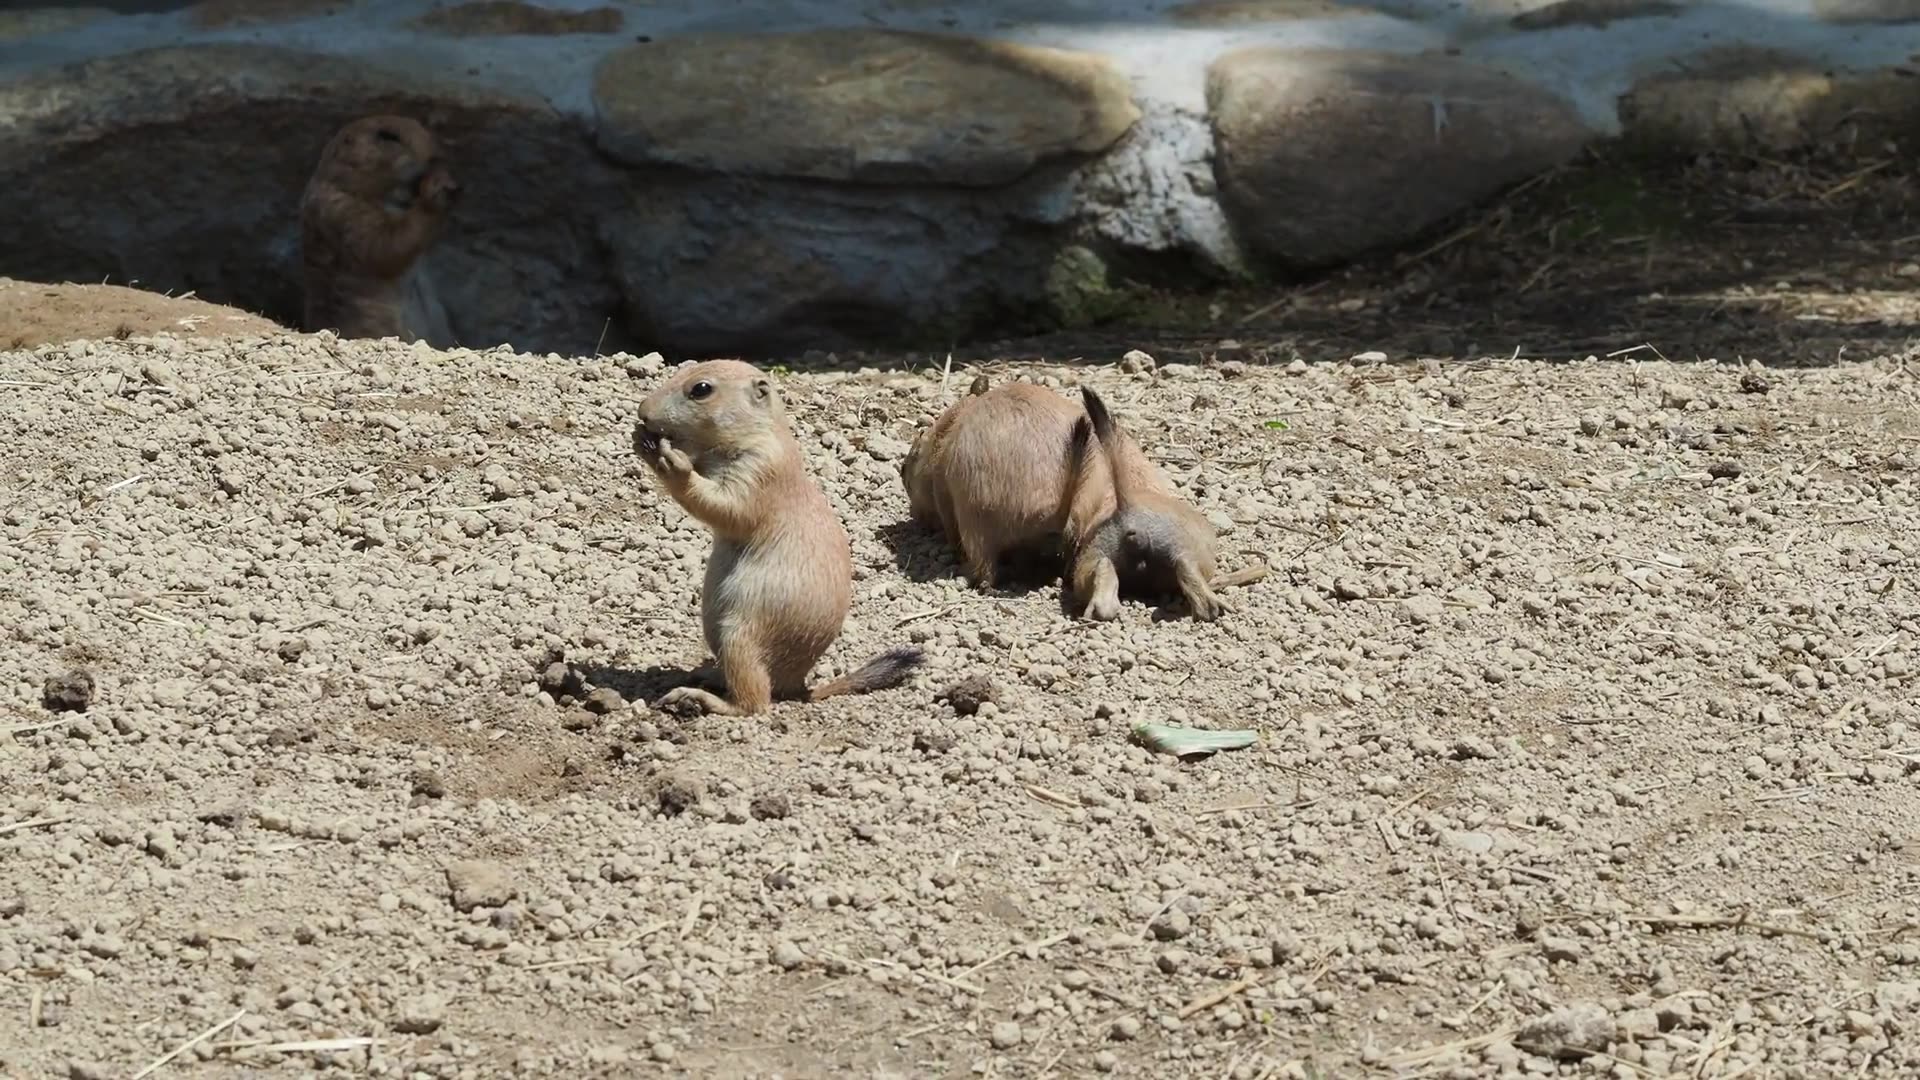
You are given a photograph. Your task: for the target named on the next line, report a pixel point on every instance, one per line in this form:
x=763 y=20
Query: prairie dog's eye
x=700 y=390
x=387 y=135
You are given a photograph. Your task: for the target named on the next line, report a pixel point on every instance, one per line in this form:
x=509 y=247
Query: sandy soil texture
x=1586 y=693
x=32 y=313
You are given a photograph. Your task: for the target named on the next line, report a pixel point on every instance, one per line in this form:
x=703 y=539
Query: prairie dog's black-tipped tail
x=1080 y=478
x=1079 y=441
x=1109 y=436
x=884 y=671
x=1097 y=413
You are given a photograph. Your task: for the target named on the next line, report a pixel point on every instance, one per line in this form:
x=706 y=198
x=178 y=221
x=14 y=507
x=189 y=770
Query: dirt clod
x=680 y=792
x=603 y=701
x=1569 y=1031
x=769 y=806
x=477 y=883
x=427 y=783
x=561 y=681
x=420 y=1015
x=70 y=691
x=967 y=695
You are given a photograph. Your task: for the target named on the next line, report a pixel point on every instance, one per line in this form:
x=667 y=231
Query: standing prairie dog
x=376 y=202
x=1152 y=541
x=780 y=578
x=995 y=473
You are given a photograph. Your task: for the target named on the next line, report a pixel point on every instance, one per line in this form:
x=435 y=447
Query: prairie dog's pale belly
x=784 y=591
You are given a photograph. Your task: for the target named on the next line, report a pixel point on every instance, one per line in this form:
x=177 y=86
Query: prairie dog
x=780 y=578
x=1153 y=541
x=376 y=202
x=995 y=473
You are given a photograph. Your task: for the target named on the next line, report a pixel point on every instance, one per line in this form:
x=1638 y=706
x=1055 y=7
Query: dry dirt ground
x=33 y=314
x=1585 y=692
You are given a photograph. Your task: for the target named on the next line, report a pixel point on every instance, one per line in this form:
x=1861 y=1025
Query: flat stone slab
x=868 y=106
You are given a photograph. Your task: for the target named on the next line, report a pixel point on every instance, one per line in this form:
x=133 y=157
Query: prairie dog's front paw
x=1206 y=607
x=1103 y=605
x=438 y=187
x=646 y=444
x=684 y=701
x=673 y=461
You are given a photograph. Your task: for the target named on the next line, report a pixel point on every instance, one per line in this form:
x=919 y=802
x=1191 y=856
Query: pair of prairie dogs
x=1018 y=466
x=1000 y=468
x=376 y=202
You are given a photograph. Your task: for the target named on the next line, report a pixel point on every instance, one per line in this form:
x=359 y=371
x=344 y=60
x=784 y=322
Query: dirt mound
x=34 y=314
x=1584 y=694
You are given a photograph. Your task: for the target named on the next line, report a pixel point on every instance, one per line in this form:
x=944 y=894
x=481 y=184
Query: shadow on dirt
x=918 y=552
x=645 y=685
x=923 y=555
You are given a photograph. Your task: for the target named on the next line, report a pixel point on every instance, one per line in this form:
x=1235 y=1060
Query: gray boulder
x=1323 y=156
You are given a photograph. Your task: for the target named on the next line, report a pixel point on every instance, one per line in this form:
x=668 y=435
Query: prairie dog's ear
x=763 y=389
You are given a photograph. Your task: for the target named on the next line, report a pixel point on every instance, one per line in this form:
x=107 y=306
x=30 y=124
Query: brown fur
x=993 y=473
x=1152 y=541
x=376 y=202
x=780 y=578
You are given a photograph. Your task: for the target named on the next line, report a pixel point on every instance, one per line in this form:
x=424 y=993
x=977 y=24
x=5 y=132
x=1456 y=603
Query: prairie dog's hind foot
x=1200 y=599
x=1097 y=587
x=1247 y=575
x=693 y=701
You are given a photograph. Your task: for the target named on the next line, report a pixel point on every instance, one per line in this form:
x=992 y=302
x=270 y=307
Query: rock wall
x=768 y=176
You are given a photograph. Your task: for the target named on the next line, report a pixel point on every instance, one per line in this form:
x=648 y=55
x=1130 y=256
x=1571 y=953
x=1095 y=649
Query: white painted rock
x=860 y=105
x=1325 y=155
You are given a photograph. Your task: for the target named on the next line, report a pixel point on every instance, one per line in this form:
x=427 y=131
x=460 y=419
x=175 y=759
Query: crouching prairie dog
x=780 y=578
x=995 y=473
x=1153 y=542
x=376 y=202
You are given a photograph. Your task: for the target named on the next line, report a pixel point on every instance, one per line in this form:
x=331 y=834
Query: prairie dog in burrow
x=780 y=578
x=1153 y=542
x=377 y=200
x=995 y=474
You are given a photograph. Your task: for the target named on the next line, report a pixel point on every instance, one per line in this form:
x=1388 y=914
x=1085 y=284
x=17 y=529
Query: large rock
x=843 y=187
x=1867 y=11
x=1746 y=99
x=228 y=14
x=1236 y=12
x=1594 y=13
x=30 y=22
x=487 y=18
x=871 y=106
x=182 y=168
x=717 y=264
x=1325 y=155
